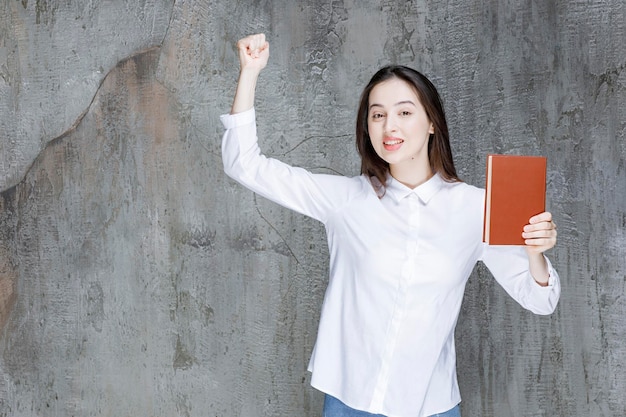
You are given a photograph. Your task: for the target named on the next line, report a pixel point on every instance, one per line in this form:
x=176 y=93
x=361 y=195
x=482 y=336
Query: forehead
x=392 y=91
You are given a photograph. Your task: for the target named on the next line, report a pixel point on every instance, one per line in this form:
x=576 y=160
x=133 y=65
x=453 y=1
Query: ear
x=431 y=130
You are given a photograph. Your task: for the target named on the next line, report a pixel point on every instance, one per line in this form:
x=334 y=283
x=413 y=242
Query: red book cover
x=515 y=191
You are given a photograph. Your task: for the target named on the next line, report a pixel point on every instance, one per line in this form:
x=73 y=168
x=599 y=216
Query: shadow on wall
x=138 y=71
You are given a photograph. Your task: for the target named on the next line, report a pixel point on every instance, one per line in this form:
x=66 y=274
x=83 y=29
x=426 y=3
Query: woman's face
x=398 y=126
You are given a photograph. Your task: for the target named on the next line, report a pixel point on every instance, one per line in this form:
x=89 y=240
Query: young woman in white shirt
x=403 y=238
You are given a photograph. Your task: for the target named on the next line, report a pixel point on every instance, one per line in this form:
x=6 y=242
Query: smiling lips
x=392 y=144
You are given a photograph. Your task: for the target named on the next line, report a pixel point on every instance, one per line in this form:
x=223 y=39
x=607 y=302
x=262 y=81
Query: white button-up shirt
x=398 y=269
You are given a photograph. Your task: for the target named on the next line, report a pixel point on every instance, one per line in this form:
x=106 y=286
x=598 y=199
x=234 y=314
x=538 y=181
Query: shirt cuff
x=238 y=119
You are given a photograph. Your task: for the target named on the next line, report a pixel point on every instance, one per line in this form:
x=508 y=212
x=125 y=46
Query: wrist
x=539 y=268
x=249 y=73
x=244 y=95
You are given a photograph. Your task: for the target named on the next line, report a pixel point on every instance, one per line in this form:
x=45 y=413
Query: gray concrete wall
x=136 y=280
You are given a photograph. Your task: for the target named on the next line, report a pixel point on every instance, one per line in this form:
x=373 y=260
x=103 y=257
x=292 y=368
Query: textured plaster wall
x=136 y=279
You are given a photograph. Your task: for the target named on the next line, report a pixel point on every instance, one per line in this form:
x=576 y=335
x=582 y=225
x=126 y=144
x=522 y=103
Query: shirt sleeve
x=314 y=195
x=509 y=266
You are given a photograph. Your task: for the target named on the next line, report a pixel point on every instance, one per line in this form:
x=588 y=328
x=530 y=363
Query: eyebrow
x=399 y=103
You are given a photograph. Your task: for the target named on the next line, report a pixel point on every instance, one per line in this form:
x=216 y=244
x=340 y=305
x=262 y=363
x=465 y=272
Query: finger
x=538 y=239
x=546 y=216
x=540 y=234
x=260 y=50
x=540 y=242
x=256 y=45
x=251 y=43
x=540 y=226
x=258 y=38
x=540 y=245
x=543 y=227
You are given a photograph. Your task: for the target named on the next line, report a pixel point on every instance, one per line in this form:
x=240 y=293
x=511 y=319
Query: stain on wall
x=136 y=279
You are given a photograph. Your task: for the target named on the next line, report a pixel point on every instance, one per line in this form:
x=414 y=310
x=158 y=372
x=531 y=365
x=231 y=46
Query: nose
x=390 y=123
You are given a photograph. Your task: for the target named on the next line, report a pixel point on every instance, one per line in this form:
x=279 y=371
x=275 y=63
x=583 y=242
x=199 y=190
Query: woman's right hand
x=254 y=51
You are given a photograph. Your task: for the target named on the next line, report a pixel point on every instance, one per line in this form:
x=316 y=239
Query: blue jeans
x=335 y=408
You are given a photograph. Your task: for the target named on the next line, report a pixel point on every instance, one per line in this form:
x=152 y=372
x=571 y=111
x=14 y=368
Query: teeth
x=393 y=142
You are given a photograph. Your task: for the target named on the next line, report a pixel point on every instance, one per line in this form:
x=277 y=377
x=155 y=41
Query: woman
x=403 y=237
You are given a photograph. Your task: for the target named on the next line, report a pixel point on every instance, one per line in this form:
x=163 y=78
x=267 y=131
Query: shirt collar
x=425 y=191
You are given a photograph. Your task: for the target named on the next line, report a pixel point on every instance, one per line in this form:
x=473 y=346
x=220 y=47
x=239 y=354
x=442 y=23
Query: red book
x=515 y=191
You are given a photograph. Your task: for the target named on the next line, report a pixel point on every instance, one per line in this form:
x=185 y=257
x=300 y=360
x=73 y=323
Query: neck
x=412 y=177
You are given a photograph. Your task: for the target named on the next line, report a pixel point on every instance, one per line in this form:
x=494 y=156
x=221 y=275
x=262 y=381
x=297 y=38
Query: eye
x=405 y=113
x=377 y=116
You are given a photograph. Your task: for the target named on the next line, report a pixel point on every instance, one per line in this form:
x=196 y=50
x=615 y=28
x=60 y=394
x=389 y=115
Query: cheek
x=374 y=130
x=418 y=127
x=376 y=146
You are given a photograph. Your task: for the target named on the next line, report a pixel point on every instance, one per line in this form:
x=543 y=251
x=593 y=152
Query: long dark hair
x=439 y=152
